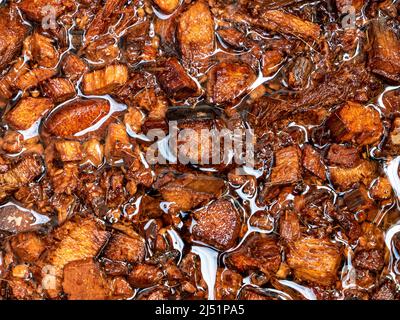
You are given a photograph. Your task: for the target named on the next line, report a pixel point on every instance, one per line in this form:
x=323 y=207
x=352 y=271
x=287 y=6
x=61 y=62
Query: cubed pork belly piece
x=343 y=156
x=59 y=89
x=196 y=32
x=190 y=191
x=117 y=144
x=312 y=161
x=386 y=291
x=84 y=280
x=287 y=167
x=218 y=224
x=314 y=260
x=37 y=10
x=75 y=116
x=125 y=248
x=357 y=124
x=257 y=253
x=27 y=112
x=28 y=246
x=41 y=50
x=145 y=276
x=20 y=174
x=344 y=178
x=73 y=67
x=93 y=152
x=167 y=6
x=77 y=240
x=385 y=53
x=233 y=38
x=102 y=52
x=15 y=219
x=12 y=35
x=12 y=142
x=289 y=226
x=33 y=78
x=104 y=81
x=228 y=82
x=372 y=260
x=174 y=80
x=68 y=150
x=227 y=284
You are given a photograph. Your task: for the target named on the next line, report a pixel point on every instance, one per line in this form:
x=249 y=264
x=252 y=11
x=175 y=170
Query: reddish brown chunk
x=287 y=167
x=27 y=112
x=258 y=252
x=28 y=246
x=145 y=275
x=125 y=248
x=343 y=156
x=227 y=284
x=229 y=81
x=59 y=89
x=372 y=260
x=83 y=280
x=314 y=260
x=75 y=117
x=312 y=161
x=218 y=224
x=174 y=80
x=356 y=123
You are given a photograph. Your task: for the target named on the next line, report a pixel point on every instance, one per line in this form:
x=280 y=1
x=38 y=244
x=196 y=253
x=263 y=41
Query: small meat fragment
x=78 y=240
x=7 y=82
x=287 y=167
x=23 y=290
x=372 y=260
x=41 y=50
x=385 y=54
x=125 y=248
x=344 y=6
x=289 y=226
x=93 y=152
x=73 y=67
x=75 y=117
x=191 y=191
x=253 y=294
x=381 y=189
x=102 y=52
x=218 y=224
x=312 y=161
x=314 y=260
x=345 y=178
x=68 y=150
x=121 y=289
x=227 y=284
x=145 y=276
x=117 y=142
x=104 y=81
x=27 y=112
x=59 y=89
x=271 y=62
x=196 y=32
x=12 y=142
x=12 y=35
x=386 y=291
x=283 y=22
x=83 y=280
x=174 y=80
x=167 y=6
x=258 y=253
x=20 y=174
x=16 y=219
x=343 y=156
x=229 y=81
x=356 y=123
x=134 y=119
x=38 y=10
x=233 y=38
x=103 y=19
x=33 y=78
x=28 y=246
